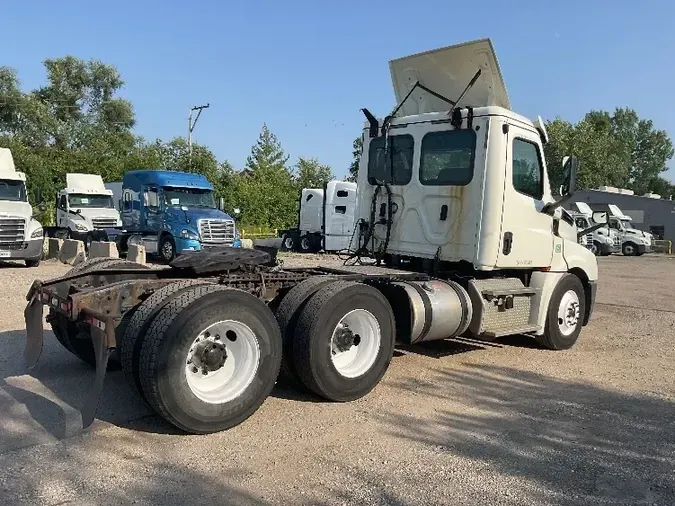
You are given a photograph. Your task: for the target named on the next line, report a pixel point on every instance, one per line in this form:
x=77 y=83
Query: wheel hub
x=208 y=354
x=344 y=339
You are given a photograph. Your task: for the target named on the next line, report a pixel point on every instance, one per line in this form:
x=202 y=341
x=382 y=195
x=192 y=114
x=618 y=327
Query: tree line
x=77 y=122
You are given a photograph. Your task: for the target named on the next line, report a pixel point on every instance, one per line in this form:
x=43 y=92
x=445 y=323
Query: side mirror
x=42 y=207
x=38 y=196
x=600 y=217
x=221 y=203
x=570 y=166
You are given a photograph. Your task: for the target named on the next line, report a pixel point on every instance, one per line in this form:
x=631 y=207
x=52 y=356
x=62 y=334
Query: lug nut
x=207 y=334
x=217 y=337
x=205 y=372
x=194 y=369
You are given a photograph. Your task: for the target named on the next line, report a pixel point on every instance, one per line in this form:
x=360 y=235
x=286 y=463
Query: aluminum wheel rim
x=240 y=365
x=360 y=357
x=568 y=313
x=305 y=244
x=288 y=243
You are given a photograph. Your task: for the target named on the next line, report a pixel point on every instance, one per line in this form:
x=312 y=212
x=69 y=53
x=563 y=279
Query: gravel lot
x=453 y=422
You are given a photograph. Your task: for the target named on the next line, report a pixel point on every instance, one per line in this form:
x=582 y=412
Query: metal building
x=649 y=213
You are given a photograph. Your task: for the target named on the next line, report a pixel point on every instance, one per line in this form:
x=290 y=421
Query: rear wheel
x=595 y=248
x=138 y=325
x=210 y=358
x=167 y=248
x=287 y=314
x=306 y=243
x=76 y=336
x=344 y=340
x=565 y=315
x=288 y=242
x=32 y=263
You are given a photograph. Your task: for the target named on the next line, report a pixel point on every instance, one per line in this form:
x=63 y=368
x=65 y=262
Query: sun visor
x=448 y=71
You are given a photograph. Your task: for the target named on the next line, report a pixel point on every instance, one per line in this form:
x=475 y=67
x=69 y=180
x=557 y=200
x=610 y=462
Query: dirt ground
x=453 y=422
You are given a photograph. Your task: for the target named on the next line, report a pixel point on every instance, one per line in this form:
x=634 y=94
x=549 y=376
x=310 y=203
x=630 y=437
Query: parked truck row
x=454 y=206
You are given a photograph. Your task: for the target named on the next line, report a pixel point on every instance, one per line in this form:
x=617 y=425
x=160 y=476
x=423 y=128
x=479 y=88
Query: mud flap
x=34 y=332
x=102 y=353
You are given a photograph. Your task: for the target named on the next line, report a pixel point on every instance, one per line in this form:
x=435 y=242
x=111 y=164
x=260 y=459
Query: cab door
x=527 y=233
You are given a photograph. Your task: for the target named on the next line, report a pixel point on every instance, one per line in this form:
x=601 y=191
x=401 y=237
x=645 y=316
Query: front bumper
x=188 y=245
x=591 y=291
x=28 y=250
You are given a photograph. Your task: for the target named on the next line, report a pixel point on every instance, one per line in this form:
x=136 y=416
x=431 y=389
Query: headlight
x=189 y=234
x=81 y=227
x=37 y=233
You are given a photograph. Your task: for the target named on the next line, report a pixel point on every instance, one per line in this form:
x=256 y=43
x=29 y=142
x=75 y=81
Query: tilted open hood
x=448 y=71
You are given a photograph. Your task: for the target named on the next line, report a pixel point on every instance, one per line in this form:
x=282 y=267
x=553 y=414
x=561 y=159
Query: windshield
x=627 y=224
x=12 y=190
x=190 y=197
x=85 y=200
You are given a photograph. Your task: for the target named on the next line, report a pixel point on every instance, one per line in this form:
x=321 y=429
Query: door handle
x=444 y=212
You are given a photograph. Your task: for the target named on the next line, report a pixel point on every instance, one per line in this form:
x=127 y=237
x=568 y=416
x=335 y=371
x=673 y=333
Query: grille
x=589 y=239
x=104 y=222
x=216 y=231
x=12 y=230
x=617 y=240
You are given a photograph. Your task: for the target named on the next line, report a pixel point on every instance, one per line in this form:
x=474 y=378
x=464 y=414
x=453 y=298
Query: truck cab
x=601 y=241
x=634 y=242
x=85 y=209
x=21 y=235
x=171 y=213
x=454 y=180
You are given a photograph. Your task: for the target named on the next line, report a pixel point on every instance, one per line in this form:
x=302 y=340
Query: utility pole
x=191 y=126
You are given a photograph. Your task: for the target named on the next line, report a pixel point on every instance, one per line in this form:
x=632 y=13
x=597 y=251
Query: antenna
x=191 y=126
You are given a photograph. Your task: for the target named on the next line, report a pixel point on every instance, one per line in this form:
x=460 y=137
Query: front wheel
x=167 y=248
x=629 y=249
x=210 y=358
x=565 y=315
x=595 y=248
x=344 y=340
x=32 y=263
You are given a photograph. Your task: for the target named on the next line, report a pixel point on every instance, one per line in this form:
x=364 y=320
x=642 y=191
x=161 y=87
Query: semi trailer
x=325 y=219
x=455 y=220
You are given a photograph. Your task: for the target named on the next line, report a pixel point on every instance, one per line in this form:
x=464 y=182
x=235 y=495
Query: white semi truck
x=85 y=210
x=453 y=195
x=325 y=221
x=599 y=238
x=634 y=242
x=21 y=235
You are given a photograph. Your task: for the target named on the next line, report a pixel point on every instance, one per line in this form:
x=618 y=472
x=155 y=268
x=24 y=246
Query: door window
x=527 y=169
x=151 y=198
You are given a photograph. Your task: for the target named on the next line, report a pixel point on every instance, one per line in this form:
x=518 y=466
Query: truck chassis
x=92 y=307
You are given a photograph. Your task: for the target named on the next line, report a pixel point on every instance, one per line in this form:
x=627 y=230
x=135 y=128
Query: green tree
x=267 y=190
x=357 y=149
x=310 y=173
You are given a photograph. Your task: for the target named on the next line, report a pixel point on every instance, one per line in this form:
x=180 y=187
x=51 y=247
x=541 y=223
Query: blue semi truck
x=171 y=213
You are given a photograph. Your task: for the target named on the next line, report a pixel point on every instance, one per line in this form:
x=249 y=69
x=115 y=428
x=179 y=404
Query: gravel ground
x=453 y=422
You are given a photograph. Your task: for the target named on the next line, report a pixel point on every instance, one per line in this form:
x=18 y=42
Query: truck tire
x=32 y=263
x=595 y=248
x=198 y=330
x=136 y=329
x=565 y=314
x=629 y=249
x=340 y=363
x=287 y=314
x=288 y=242
x=166 y=248
x=76 y=337
x=307 y=243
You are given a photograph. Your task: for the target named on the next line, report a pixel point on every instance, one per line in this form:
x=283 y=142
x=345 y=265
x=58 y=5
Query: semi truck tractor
x=634 y=242
x=85 y=210
x=325 y=221
x=459 y=235
x=601 y=240
x=171 y=213
x=21 y=235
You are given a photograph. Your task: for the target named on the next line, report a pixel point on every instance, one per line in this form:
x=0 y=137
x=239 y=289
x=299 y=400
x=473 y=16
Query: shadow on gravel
x=579 y=443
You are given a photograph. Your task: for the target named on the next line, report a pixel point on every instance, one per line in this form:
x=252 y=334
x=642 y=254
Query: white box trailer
x=326 y=219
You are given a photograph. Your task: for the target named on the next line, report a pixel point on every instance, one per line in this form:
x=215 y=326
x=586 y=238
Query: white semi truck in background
x=601 y=240
x=21 y=235
x=453 y=197
x=325 y=221
x=634 y=242
x=85 y=210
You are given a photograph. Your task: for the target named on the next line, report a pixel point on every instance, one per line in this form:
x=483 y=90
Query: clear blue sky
x=305 y=68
